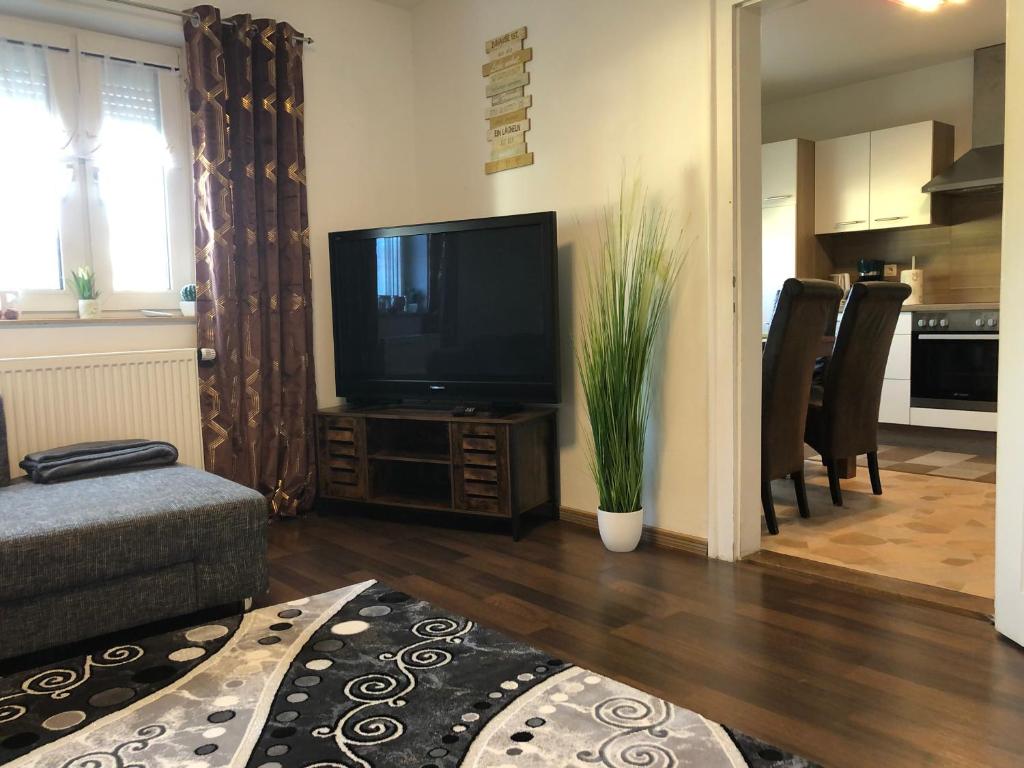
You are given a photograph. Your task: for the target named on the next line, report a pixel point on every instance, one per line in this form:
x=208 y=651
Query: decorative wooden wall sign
x=506 y=78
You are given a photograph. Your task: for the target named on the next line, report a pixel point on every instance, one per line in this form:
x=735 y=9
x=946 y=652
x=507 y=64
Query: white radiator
x=53 y=401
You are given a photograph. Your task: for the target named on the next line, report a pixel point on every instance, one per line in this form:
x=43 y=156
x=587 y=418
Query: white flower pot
x=88 y=308
x=188 y=308
x=620 y=531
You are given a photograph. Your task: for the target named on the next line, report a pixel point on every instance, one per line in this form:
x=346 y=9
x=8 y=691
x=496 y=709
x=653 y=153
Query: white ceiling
x=815 y=45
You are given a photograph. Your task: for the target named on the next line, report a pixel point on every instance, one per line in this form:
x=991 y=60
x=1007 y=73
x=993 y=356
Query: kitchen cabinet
x=779 y=173
x=902 y=160
x=787 y=218
x=873 y=180
x=895 y=404
x=842 y=184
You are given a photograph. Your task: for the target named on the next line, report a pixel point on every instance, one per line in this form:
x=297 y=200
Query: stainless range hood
x=981 y=167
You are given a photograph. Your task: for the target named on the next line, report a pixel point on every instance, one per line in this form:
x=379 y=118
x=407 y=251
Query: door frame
x=734 y=281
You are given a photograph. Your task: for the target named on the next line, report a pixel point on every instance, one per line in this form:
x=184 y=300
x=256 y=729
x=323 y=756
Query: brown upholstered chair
x=804 y=309
x=842 y=420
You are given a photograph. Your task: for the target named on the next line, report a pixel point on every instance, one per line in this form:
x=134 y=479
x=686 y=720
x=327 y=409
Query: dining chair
x=842 y=416
x=794 y=341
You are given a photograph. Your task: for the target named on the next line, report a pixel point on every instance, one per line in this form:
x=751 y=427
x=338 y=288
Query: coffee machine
x=870 y=269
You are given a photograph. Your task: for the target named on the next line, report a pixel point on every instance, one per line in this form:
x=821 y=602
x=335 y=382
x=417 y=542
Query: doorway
x=963 y=487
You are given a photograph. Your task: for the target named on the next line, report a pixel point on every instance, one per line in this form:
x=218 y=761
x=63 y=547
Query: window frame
x=82 y=218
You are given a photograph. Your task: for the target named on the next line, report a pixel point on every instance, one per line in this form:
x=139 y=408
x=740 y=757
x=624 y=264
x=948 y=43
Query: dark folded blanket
x=90 y=458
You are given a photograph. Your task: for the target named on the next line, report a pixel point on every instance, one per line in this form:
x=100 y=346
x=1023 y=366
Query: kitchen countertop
x=981 y=307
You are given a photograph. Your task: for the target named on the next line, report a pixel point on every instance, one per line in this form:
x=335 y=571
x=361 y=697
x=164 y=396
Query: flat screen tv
x=459 y=312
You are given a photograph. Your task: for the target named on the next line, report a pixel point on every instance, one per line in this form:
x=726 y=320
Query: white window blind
x=34 y=178
x=131 y=158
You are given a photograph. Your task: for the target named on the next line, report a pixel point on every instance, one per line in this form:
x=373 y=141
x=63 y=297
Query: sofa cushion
x=84 y=531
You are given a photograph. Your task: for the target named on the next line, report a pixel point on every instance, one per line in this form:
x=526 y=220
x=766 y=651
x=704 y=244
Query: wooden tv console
x=501 y=467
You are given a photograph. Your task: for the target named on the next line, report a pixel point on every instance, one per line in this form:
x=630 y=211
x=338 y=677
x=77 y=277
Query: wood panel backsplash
x=960 y=260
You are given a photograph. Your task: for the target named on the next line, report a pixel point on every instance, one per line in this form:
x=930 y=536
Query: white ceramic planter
x=620 y=531
x=188 y=308
x=88 y=308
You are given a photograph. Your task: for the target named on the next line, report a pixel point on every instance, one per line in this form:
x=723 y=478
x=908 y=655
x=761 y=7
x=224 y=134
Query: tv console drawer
x=341 y=449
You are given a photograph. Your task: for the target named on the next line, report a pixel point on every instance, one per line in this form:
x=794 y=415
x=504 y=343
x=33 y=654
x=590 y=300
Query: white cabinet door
x=842 y=184
x=901 y=163
x=895 y=405
x=778 y=255
x=778 y=172
x=898 y=366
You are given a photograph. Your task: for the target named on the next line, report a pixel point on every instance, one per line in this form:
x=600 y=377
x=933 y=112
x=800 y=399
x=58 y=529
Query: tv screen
x=463 y=311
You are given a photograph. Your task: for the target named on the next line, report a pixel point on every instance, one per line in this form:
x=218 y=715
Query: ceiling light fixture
x=928 y=6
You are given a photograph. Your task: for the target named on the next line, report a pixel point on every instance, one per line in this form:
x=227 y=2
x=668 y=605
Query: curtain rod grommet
x=194 y=18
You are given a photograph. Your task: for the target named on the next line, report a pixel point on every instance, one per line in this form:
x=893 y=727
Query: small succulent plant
x=83 y=283
x=188 y=292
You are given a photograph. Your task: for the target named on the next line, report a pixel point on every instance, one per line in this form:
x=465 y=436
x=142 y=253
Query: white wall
x=942 y=92
x=615 y=86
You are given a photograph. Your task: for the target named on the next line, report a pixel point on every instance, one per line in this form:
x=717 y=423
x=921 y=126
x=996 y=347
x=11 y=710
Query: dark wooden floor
x=841 y=678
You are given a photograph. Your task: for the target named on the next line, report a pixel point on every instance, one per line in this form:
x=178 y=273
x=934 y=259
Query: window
x=97 y=167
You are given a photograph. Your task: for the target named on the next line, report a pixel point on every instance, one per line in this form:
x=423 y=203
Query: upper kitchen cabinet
x=779 y=173
x=903 y=159
x=842 y=184
x=873 y=180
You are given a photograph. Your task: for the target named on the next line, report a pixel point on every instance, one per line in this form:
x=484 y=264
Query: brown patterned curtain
x=252 y=254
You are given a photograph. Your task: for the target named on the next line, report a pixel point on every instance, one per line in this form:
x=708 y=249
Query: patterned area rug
x=362 y=677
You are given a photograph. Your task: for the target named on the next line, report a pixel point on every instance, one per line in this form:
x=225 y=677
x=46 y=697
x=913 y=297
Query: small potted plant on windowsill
x=188 y=300
x=628 y=292
x=83 y=283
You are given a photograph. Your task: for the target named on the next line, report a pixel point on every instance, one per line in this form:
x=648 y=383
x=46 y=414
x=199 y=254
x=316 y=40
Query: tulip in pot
x=629 y=285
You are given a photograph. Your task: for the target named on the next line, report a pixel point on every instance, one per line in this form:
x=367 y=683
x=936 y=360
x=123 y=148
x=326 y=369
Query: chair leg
x=801 y=494
x=833 y=484
x=769 y=507
x=876 y=478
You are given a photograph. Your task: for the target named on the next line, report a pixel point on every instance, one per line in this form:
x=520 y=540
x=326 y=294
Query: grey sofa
x=94 y=555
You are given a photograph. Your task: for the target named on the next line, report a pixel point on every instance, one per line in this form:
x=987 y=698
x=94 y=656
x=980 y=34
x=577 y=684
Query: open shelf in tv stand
x=494 y=466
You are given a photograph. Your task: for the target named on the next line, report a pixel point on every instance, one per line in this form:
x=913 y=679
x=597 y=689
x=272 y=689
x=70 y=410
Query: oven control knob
x=943 y=323
x=932 y=323
x=979 y=322
x=922 y=323
x=991 y=323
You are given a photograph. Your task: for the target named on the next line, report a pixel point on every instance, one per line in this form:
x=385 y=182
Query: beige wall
x=1009 y=612
x=32 y=341
x=615 y=85
x=942 y=92
x=395 y=134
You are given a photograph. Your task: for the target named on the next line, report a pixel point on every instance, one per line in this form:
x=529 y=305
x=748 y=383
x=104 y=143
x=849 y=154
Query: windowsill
x=69 y=319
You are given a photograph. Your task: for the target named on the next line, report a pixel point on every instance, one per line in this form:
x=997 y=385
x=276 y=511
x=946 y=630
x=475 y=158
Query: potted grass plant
x=83 y=283
x=629 y=285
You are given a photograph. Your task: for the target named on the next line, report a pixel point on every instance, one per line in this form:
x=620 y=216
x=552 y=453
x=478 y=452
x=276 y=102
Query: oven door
x=956 y=371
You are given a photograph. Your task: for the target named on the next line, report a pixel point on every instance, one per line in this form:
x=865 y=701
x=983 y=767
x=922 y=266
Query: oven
x=954 y=360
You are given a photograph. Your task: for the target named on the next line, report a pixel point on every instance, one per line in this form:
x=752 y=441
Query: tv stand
x=500 y=466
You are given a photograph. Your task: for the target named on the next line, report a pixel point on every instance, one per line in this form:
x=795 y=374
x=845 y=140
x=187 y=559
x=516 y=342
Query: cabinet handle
x=892 y=218
x=778 y=197
x=847 y=223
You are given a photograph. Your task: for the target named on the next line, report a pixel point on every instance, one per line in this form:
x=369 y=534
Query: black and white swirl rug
x=362 y=677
